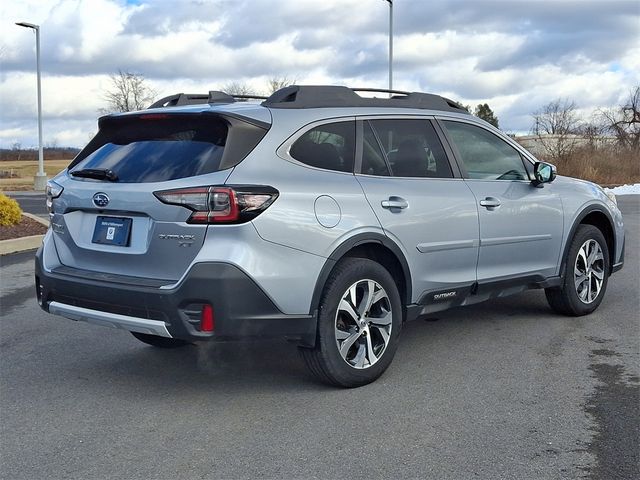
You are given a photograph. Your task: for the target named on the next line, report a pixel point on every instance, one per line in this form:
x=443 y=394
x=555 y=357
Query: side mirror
x=543 y=173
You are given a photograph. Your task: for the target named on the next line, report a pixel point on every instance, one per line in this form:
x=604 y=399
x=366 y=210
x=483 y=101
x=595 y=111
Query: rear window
x=156 y=148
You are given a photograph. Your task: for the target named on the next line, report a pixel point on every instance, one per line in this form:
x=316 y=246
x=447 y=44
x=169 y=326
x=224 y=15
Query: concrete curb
x=36 y=218
x=15 y=245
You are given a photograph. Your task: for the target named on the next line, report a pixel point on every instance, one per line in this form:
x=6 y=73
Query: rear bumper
x=241 y=308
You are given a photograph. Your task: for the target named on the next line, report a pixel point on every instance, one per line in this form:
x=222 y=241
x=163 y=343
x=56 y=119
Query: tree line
x=559 y=118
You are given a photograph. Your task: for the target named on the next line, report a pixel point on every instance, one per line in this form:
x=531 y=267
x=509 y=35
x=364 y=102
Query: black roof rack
x=213 y=96
x=318 y=96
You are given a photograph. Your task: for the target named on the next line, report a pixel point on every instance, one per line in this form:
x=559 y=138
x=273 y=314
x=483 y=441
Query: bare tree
x=128 y=92
x=624 y=121
x=238 y=88
x=556 y=124
x=276 y=83
x=556 y=118
x=17 y=149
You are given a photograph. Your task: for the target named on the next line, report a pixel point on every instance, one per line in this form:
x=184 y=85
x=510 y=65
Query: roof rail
x=319 y=96
x=180 y=99
x=214 y=96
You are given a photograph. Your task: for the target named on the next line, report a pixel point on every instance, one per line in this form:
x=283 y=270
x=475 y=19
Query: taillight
x=53 y=191
x=228 y=204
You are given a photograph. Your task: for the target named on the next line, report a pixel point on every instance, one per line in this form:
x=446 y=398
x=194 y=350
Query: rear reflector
x=207 y=322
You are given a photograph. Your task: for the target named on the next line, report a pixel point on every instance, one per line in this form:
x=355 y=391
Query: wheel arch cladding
x=375 y=247
x=600 y=219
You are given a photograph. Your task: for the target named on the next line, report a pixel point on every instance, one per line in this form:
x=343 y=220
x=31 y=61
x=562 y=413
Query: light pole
x=390 y=2
x=40 y=179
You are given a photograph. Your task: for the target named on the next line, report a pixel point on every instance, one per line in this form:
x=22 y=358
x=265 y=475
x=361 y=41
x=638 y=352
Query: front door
x=521 y=225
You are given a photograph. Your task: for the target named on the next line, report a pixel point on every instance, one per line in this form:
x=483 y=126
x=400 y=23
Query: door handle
x=394 y=202
x=490 y=202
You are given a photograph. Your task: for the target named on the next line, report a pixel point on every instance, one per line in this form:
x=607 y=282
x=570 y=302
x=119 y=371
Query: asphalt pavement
x=505 y=389
x=31 y=202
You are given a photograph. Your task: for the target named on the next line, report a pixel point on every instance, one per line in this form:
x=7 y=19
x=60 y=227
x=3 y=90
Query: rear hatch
x=108 y=218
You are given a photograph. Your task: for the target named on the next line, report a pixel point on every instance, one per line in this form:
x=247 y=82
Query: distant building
x=543 y=144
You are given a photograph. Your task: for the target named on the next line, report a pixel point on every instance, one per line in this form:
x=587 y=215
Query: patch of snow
x=626 y=189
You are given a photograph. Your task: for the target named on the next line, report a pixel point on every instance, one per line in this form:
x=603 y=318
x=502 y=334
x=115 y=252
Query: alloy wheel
x=363 y=324
x=588 y=271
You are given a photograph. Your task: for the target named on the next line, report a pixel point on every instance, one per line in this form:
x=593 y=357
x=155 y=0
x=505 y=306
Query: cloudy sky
x=517 y=55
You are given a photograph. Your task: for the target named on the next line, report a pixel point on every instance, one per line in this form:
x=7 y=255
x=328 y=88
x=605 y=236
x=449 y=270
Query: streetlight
x=390 y=2
x=40 y=179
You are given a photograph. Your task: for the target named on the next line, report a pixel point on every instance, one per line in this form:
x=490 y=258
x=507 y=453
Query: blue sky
x=515 y=55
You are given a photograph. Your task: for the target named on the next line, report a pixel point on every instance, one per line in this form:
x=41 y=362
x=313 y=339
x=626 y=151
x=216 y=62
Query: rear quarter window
x=330 y=146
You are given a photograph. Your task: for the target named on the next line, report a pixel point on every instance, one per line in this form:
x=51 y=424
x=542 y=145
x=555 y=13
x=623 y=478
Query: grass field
x=22 y=172
x=606 y=167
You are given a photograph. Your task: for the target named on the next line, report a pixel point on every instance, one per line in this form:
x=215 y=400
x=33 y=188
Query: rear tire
x=160 y=342
x=586 y=274
x=359 y=323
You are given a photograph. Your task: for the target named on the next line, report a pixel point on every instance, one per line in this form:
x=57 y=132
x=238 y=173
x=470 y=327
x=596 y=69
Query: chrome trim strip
x=486 y=242
x=113 y=320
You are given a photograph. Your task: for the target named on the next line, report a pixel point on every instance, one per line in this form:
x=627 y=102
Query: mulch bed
x=25 y=228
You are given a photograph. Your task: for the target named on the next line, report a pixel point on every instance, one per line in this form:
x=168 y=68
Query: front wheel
x=359 y=323
x=586 y=274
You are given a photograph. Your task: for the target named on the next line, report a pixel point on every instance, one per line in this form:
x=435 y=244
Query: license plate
x=112 y=231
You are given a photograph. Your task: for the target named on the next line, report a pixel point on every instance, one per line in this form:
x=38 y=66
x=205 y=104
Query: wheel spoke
x=589 y=288
x=371 y=356
x=348 y=309
x=342 y=334
x=598 y=274
x=582 y=254
x=580 y=280
x=367 y=299
x=379 y=295
x=353 y=295
x=595 y=255
x=385 y=320
x=346 y=345
x=383 y=333
x=358 y=360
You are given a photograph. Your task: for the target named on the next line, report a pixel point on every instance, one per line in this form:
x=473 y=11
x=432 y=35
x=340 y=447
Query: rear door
x=521 y=225
x=410 y=184
x=112 y=222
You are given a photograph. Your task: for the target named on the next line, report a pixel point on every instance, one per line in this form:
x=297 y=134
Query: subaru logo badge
x=101 y=200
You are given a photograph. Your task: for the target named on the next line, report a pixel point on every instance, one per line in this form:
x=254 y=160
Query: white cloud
x=508 y=54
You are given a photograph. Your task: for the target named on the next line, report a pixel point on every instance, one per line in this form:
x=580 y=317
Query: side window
x=330 y=146
x=373 y=161
x=412 y=148
x=486 y=156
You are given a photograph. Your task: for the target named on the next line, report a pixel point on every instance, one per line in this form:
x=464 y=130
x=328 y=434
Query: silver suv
x=317 y=215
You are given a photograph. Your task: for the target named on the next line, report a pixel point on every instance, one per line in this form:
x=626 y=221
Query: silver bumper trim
x=113 y=320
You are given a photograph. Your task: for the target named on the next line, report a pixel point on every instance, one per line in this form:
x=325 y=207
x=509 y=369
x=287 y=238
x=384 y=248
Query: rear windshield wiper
x=97 y=173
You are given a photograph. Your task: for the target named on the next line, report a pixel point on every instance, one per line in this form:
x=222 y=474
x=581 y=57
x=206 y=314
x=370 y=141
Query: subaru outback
x=317 y=215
